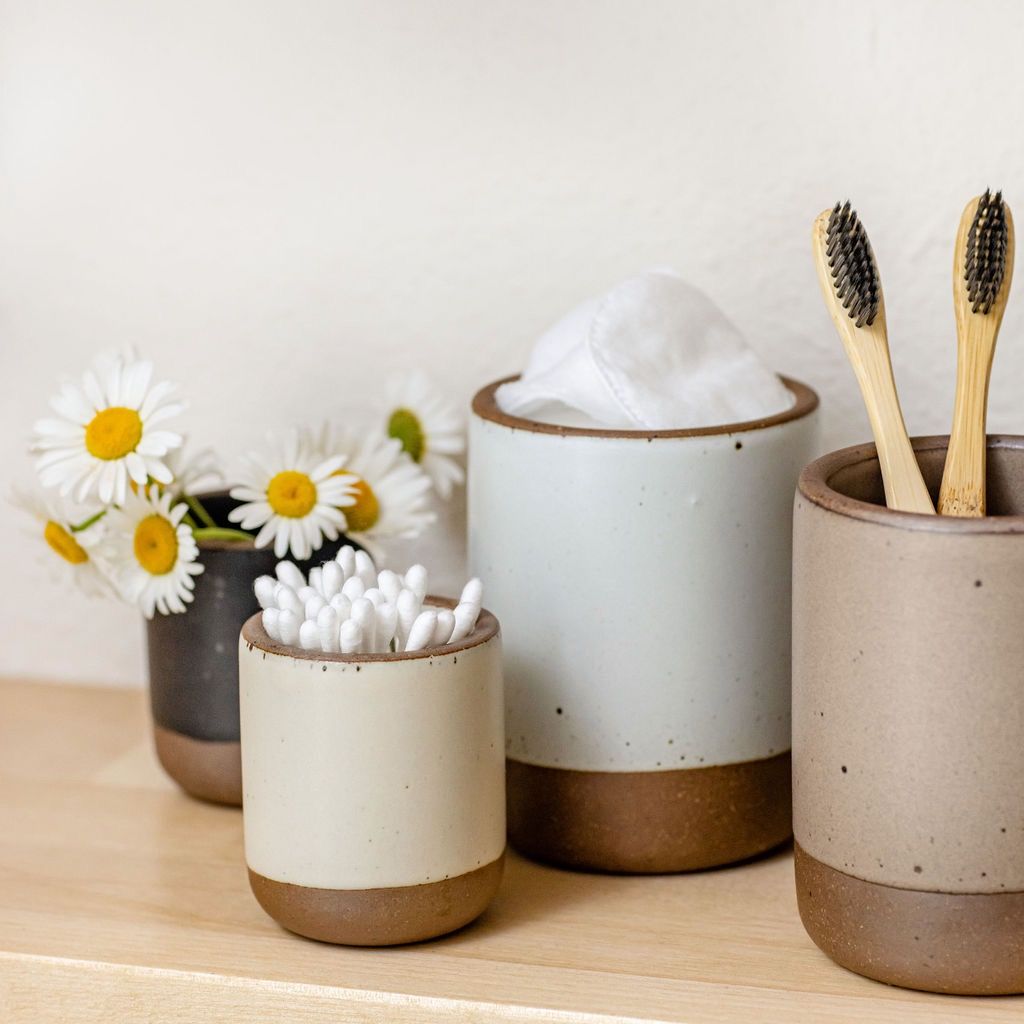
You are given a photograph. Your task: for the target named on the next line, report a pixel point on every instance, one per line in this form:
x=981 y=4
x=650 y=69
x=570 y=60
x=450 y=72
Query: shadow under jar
x=193 y=664
x=908 y=725
x=643 y=581
x=374 y=785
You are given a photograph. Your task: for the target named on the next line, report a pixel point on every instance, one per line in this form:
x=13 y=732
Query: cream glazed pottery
x=643 y=581
x=908 y=725
x=374 y=789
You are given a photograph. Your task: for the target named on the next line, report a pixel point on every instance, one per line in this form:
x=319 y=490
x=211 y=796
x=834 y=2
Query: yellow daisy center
x=361 y=516
x=113 y=433
x=406 y=427
x=156 y=545
x=291 y=494
x=64 y=544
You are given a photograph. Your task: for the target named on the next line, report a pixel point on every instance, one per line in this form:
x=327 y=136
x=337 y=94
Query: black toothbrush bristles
x=852 y=265
x=985 y=261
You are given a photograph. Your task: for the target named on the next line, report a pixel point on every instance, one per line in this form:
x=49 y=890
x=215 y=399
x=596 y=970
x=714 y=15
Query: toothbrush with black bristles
x=982 y=272
x=852 y=289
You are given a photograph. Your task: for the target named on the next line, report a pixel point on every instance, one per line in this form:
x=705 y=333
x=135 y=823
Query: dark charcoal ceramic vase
x=193 y=666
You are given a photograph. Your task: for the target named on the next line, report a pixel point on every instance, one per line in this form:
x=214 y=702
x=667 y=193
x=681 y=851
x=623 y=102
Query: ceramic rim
x=485 y=406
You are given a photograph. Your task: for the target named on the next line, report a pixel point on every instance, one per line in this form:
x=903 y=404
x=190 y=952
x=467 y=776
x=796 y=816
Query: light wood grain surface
x=122 y=900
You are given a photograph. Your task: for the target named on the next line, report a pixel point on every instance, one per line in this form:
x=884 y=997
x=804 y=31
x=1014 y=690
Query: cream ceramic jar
x=908 y=725
x=643 y=581
x=373 y=785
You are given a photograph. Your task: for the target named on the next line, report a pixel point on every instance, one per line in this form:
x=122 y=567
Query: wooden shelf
x=121 y=899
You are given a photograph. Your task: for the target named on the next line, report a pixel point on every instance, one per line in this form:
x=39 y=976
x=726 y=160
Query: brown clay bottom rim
x=485 y=406
x=486 y=629
x=209 y=770
x=382 y=916
x=953 y=943
x=659 y=822
x=815 y=485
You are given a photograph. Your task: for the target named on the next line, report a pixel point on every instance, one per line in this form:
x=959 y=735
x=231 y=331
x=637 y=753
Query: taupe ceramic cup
x=908 y=725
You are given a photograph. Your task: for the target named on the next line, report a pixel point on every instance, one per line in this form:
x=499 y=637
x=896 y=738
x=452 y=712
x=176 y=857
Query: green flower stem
x=88 y=522
x=200 y=513
x=219 y=533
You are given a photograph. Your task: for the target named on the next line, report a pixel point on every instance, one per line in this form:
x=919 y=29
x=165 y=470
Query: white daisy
x=295 y=496
x=430 y=429
x=151 y=552
x=106 y=431
x=194 y=472
x=391 y=491
x=70 y=545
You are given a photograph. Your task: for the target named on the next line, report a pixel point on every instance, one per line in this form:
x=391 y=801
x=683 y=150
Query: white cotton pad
x=654 y=353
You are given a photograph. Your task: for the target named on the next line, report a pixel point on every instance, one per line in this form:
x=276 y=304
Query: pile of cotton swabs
x=346 y=606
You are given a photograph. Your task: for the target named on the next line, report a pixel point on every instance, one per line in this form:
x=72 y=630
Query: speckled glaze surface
x=373 y=774
x=193 y=666
x=908 y=762
x=643 y=581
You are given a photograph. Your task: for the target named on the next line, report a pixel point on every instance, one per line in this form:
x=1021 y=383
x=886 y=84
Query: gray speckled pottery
x=908 y=725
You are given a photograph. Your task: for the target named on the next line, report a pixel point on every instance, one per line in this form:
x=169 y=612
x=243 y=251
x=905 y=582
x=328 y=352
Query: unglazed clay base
x=964 y=944
x=207 y=769
x=649 y=822
x=379 y=917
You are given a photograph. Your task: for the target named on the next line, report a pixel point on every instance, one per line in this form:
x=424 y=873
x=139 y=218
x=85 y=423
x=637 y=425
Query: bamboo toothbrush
x=853 y=294
x=982 y=272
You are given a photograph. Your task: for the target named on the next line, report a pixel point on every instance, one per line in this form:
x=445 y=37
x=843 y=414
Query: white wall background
x=281 y=201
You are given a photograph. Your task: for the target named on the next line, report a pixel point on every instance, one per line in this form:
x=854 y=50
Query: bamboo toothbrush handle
x=982 y=274
x=963 y=480
x=905 y=489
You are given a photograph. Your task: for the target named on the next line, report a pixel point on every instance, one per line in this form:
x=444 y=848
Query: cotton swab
x=288 y=627
x=416 y=581
x=348 y=606
x=346 y=558
x=316 y=580
x=264 y=588
x=290 y=574
x=473 y=593
x=365 y=569
x=408 y=607
x=390 y=584
x=309 y=636
x=422 y=632
x=465 y=621
x=342 y=605
x=287 y=600
x=365 y=616
x=444 y=627
x=333 y=579
x=327 y=627
x=270 y=623
x=351 y=637
x=387 y=622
